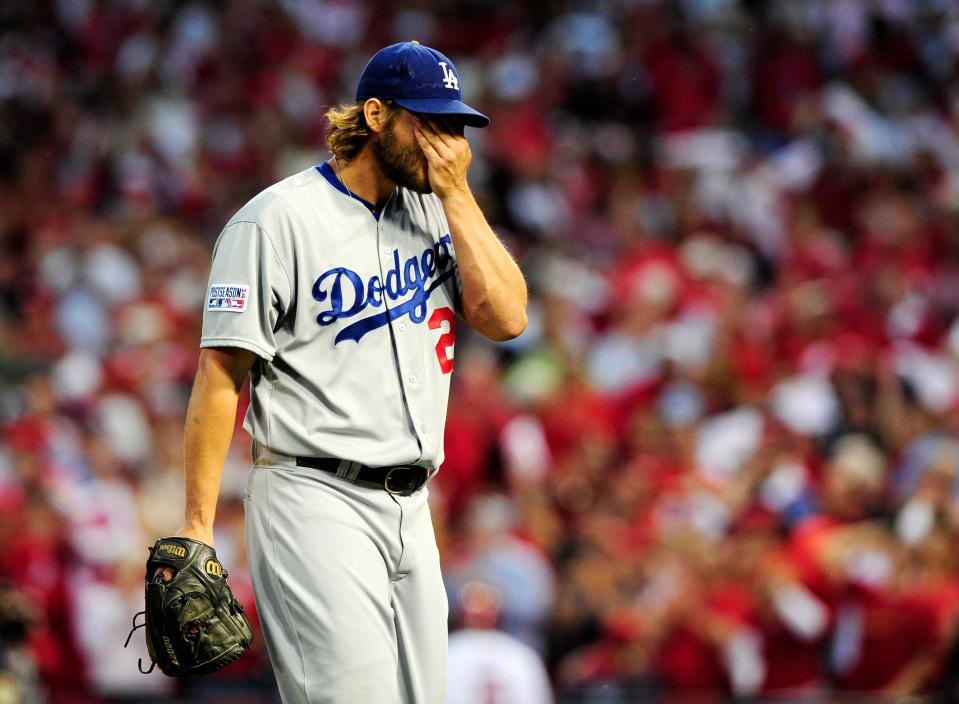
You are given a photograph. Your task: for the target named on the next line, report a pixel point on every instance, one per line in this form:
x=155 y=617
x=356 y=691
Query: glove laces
x=137 y=627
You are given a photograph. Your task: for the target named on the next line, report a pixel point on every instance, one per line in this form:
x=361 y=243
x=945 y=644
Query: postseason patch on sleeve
x=231 y=298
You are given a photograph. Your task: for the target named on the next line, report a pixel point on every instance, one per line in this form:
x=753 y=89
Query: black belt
x=402 y=479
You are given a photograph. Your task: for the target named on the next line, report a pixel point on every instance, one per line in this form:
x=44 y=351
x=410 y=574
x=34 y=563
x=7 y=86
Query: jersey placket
x=406 y=339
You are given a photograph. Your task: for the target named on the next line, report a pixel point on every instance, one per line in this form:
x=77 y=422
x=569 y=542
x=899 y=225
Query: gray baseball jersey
x=352 y=316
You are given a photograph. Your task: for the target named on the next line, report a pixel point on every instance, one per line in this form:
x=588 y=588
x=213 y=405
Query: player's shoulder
x=494 y=643
x=487 y=637
x=272 y=207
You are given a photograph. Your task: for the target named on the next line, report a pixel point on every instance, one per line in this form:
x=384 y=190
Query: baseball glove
x=194 y=624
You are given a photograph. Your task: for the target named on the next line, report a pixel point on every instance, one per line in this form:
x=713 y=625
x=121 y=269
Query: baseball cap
x=419 y=79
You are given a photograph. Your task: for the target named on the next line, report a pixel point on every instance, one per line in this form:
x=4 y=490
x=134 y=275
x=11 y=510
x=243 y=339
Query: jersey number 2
x=445 y=344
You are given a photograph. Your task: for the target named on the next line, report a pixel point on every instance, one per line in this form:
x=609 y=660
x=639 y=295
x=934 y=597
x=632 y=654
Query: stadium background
x=722 y=460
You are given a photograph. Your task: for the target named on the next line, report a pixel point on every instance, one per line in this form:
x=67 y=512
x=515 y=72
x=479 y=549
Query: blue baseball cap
x=419 y=79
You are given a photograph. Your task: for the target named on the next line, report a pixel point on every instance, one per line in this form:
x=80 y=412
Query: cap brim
x=444 y=106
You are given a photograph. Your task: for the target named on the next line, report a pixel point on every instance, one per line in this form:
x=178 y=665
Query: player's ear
x=377 y=114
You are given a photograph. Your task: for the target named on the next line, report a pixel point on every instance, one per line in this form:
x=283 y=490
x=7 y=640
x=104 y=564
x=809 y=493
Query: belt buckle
x=414 y=483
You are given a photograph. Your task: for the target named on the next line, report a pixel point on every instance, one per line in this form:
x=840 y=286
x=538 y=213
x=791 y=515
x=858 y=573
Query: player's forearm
x=206 y=441
x=207 y=436
x=494 y=290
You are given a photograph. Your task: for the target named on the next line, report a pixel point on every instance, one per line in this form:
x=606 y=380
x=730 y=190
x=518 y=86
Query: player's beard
x=403 y=164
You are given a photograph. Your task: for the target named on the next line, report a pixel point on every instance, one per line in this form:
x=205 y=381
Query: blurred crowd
x=724 y=457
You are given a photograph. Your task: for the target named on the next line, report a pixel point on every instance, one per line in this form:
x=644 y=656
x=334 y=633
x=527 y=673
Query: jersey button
x=387 y=250
x=412 y=378
x=402 y=327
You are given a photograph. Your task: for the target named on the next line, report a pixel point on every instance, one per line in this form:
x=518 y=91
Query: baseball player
x=336 y=290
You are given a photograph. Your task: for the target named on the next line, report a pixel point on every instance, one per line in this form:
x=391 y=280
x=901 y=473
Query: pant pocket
x=248 y=486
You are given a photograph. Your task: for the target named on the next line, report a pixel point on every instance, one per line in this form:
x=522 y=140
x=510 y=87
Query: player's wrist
x=459 y=193
x=197 y=530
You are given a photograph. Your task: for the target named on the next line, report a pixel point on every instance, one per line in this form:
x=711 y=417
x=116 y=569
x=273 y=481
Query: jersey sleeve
x=248 y=294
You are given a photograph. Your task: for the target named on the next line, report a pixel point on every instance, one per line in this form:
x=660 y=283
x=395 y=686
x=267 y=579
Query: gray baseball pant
x=348 y=587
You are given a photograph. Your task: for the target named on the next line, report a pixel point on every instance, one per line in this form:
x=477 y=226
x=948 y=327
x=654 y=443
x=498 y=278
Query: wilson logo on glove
x=173 y=549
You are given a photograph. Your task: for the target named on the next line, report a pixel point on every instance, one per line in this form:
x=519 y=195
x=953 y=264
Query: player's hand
x=447 y=154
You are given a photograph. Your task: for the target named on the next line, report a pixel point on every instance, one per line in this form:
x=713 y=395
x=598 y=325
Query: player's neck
x=363 y=178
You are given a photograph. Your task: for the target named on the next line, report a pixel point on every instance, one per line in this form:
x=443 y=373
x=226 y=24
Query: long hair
x=348 y=132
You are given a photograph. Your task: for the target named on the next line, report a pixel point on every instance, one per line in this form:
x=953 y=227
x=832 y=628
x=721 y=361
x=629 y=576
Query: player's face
x=399 y=156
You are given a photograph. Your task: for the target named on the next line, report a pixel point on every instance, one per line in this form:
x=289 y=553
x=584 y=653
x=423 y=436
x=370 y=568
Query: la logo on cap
x=449 y=78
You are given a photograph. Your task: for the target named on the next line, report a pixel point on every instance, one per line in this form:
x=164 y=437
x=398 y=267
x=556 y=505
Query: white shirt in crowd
x=491 y=667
